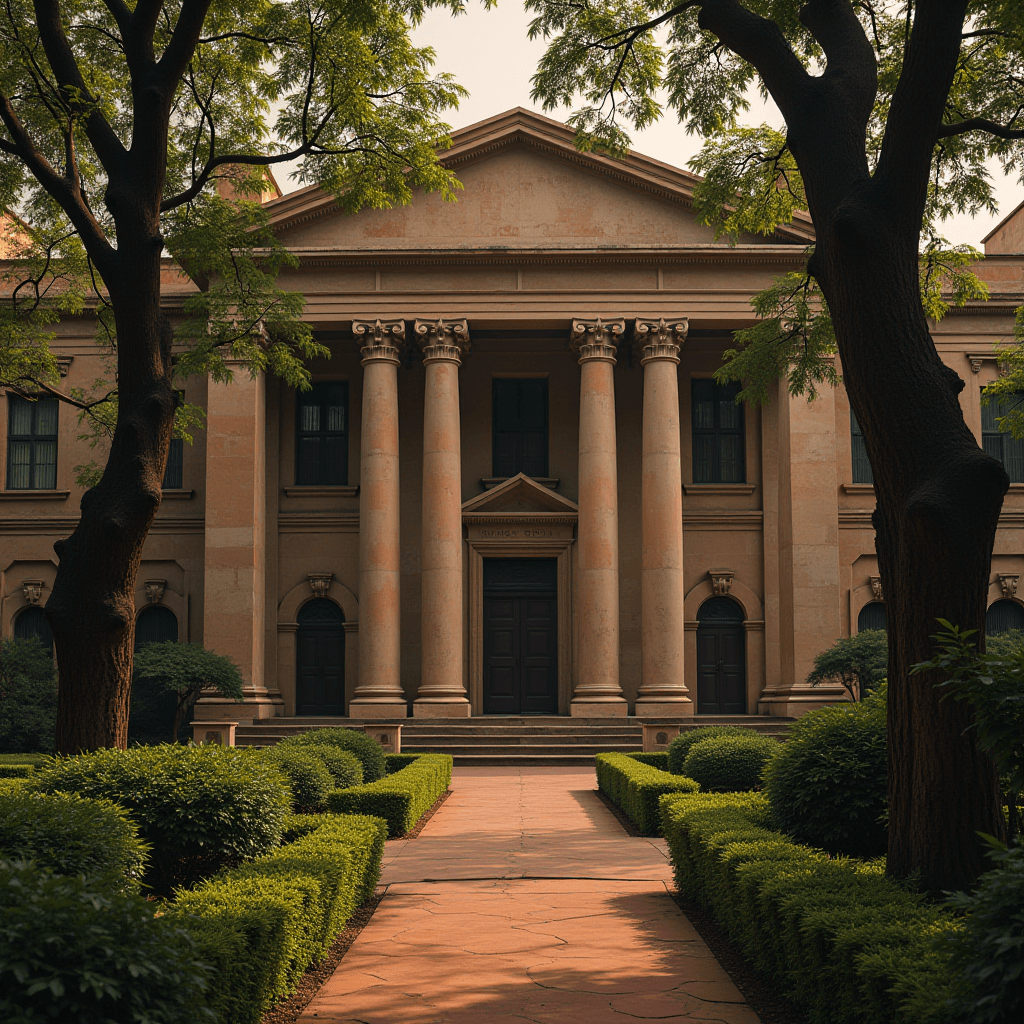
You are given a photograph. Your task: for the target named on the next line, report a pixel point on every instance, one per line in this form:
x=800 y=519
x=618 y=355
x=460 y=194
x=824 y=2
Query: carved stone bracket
x=442 y=341
x=64 y=365
x=659 y=339
x=1008 y=583
x=320 y=582
x=33 y=590
x=382 y=340
x=876 y=587
x=976 y=362
x=721 y=581
x=155 y=590
x=596 y=339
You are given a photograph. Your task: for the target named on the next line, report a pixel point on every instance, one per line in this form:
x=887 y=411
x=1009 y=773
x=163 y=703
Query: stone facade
x=373 y=589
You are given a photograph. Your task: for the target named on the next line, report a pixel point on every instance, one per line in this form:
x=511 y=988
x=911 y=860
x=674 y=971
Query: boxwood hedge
x=635 y=788
x=729 y=763
x=682 y=744
x=368 y=750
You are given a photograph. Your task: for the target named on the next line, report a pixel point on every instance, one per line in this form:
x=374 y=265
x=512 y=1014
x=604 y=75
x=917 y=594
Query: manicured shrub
x=859 y=663
x=396 y=762
x=680 y=746
x=72 y=952
x=400 y=799
x=827 y=783
x=28 y=696
x=16 y=785
x=368 y=750
x=35 y=760
x=199 y=808
x=263 y=924
x=838 y=938
x=635 y=788
x=72 y=835
x=309 y=781
x=655 y=758
x=16 y=771
x=345 y=768
x=729 y=763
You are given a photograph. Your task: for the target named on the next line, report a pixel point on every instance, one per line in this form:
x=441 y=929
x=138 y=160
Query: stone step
x=447 y=739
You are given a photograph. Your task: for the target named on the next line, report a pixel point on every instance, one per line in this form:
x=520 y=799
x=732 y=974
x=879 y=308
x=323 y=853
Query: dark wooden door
x=520 y=654
x=320 y=665
x=721 y=669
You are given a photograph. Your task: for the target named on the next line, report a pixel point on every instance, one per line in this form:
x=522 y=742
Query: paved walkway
x=523 y=900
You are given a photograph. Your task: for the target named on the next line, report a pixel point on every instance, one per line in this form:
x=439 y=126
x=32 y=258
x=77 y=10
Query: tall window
x=1008 y=450
x=717 y=433
x=321 y=447
x=173 y=474
x=32 y=444
x=861 y=467
x=155 y=625
x=520 y=409
x=31 y=622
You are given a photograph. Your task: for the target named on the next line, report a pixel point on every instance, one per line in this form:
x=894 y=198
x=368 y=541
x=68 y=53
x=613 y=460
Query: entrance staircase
x=513 y=740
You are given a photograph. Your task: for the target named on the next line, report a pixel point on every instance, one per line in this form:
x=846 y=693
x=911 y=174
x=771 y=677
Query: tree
x=184 y=670
x=28 y=697
x=134 y=129
x=891 y=109
x=857 y=662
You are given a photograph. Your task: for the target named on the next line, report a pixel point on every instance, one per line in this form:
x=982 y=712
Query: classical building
x=515 y=486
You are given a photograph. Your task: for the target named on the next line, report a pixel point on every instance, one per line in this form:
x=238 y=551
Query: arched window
x=154 y=625
x=320 y=651
x=872 y=616
x=32 y=623
x=1004 y=616
x=721 y=662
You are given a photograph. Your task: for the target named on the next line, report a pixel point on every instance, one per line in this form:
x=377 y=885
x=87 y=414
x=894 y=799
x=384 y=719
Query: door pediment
x=519 y=495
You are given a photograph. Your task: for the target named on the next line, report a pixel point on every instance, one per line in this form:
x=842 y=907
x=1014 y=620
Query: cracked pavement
x=523 y=900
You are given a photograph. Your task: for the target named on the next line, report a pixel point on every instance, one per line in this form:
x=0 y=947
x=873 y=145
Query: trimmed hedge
x=309 y=781
x=681 y=745
x=400 y=799
x=635 y=788
x=16 y=771
x=368 y=750
x=345 y=768
x=396 y=762
x=839 y=938
x=72 y=835
x=263 y=924
x=729 y=763
x=655 y=758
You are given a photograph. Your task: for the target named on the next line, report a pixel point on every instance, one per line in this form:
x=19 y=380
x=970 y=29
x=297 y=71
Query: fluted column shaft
x=662 y=686
x=379 y=693
x=597 y=690
x=441 y=692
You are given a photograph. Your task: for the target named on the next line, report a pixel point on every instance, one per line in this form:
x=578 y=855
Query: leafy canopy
x=623 y=63
x=859 y=663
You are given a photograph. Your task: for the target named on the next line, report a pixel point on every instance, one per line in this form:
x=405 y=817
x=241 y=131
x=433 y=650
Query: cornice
x=518 y=518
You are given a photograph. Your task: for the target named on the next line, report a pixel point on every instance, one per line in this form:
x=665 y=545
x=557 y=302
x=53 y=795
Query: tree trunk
x=92 y=607
x=938 y=502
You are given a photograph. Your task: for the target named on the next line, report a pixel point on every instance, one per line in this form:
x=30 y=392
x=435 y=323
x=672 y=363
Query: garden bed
x=635 y=787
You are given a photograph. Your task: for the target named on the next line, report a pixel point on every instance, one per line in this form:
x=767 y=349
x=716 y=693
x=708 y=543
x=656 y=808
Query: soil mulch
x=414 y=832
x=763 y=997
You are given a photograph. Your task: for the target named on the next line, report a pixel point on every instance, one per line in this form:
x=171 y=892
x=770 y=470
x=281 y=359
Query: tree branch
x=184 y=40
x=980 y=124
x=848 y=52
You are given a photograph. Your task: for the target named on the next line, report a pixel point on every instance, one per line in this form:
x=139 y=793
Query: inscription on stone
x=531 y=533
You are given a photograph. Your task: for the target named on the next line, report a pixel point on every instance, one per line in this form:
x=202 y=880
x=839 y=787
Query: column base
x=606 y=709
x=433 y=709
x=368 y=711
x=664 y=709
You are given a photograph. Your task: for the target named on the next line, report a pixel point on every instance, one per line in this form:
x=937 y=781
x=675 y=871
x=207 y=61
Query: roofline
x=1006 y=220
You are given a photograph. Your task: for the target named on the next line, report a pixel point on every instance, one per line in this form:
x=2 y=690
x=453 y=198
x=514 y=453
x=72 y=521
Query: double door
x=520 y=653
x=721 y=675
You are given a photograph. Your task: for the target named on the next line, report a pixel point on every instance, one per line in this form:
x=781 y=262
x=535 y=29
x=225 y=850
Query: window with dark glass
x=1004 y=447
x=717 y=433
x=173 y=471
x=859 y=454
x=1002 y=617
x=31 y=444
x=321 y=444
x=520 y=427
x=31 y=623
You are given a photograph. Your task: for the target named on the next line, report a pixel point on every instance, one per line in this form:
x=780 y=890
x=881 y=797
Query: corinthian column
x=598 y=693
x=662 y=689
x=441 y=693
x=379 y=693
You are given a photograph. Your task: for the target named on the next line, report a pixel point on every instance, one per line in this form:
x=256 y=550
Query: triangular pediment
x=519 y=494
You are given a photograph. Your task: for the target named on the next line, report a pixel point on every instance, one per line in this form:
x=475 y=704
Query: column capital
x=442 y=341
x=381 y=340
x=659 y=339
x=596 y=339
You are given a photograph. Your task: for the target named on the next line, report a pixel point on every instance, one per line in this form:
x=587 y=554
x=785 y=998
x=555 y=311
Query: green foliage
x=859 y=663
x=72 y=952
x=263 y=924
x=33 y=760
x=16 y=771
x=396 y=762
x=366 y=749
x=655 y=758
x=181 y=670
x=308 y=778
x=989 y=950
x=199 y=808
x=827 y=784
x=679 y=748
x=344 y=767
x=836 y=936
x=400 y=799
x=28 y=696
x=635 y=788
x=729 y=763
x=72 y=835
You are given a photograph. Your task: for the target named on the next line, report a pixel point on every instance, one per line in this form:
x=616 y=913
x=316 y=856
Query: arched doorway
x=155 y=625
x=32 y=623
x=1003 y=616
x=872 y=616
x=721 y=660
x=320 y=652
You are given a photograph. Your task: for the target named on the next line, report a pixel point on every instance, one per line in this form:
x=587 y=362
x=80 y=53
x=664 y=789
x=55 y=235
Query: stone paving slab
x=522 y=900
